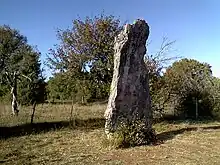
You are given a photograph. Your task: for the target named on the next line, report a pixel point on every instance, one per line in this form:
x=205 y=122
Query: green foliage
x=32 y=92
x=215 y=92
x=63 y=86
x=13 y=47
x=32 y=89
x=86 y=54
x=132 y=134
x=60 y=87
x=4 y=92
x=189 y=82
x=19 y=67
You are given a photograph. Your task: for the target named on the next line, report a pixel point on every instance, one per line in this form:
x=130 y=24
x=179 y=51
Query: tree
x=61 y=87
x=18 y=62
x=86 y=51
x=190 y=82
x=156 y=64
x=215 y=93
x=32 y=89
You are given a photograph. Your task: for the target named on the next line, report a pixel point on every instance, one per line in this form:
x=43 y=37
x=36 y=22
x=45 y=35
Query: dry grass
x=50 y=112
x=184 y=142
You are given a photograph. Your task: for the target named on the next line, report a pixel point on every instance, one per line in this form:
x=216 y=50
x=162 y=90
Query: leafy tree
x=215 y=93
x=32 y=88
x=86 y=51
x=19 y=62
x=190 y=82
x=61 y=87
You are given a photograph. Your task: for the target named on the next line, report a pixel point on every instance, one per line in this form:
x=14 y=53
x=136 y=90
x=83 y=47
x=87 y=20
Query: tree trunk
x=72 y=120
x=33 y=112
x=82 y=100
x=197 y=113
x=14 y=103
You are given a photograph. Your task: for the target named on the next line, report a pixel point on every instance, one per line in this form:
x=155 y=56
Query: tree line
x=82 y=67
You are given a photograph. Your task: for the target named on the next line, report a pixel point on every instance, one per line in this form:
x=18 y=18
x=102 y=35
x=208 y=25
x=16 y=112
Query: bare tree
x=162 y=58
x=156 y=64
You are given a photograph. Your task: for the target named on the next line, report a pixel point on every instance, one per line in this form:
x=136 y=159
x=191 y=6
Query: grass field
x=57 y=138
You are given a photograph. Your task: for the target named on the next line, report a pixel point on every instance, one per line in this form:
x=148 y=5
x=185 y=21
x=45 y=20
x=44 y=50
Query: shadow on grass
x=35 y=128
x=170 y=119
x=90 y=124
x=164 y=136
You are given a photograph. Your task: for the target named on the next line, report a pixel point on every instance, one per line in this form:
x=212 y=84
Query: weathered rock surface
x=129 y=98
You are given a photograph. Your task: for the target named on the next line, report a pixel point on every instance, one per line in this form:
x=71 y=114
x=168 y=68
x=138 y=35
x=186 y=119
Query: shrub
x=132 y=134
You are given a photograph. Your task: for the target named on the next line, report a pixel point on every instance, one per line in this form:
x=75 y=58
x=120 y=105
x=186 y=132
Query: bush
x=132 y=134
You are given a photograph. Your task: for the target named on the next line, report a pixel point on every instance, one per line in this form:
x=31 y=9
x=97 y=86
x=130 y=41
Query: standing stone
x=129 y=98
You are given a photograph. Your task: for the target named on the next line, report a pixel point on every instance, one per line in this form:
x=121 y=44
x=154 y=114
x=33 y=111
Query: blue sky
x=194 y=24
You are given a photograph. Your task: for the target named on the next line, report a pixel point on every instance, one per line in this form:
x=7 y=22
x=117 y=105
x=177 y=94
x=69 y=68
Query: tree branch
x=26 y=77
